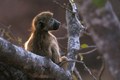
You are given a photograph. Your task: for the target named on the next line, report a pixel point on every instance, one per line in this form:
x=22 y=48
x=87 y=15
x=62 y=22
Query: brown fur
x=42 y=41
x=64 y=62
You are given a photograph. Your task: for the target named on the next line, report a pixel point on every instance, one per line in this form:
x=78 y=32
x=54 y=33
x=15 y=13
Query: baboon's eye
x=51 y=22
x=40 y=25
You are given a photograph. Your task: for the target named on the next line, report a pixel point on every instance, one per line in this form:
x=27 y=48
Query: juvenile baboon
x=41 y=40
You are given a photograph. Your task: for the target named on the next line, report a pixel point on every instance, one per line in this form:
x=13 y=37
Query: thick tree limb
x=104 y=27
x=29 y=62
x=74 y=29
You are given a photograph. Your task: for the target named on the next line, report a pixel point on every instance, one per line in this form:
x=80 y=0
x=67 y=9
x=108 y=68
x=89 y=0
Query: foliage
x=84 y=46
x=99 y=3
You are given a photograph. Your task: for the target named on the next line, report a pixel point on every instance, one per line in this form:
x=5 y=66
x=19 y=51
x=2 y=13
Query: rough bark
x=74 y=30
x=29 y=62
x=8 y=72
x=104 y=27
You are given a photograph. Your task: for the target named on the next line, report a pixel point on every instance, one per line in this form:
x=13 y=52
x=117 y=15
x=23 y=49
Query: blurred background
x=18 y=14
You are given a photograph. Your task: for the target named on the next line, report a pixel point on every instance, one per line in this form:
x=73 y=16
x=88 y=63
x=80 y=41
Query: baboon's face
x=53 y=24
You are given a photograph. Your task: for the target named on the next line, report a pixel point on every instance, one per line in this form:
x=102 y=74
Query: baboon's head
x=45 y=22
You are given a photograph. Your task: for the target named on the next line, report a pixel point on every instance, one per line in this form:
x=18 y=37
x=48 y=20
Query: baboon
x=41 y=40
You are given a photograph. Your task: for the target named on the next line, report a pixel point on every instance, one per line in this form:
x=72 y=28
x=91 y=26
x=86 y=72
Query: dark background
x=19 y=14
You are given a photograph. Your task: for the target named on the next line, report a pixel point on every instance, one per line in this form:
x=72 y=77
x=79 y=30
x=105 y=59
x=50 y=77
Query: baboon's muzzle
x=54 y=24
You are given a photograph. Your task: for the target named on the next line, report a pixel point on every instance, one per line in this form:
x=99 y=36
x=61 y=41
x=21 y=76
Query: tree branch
x=74 y=29
x=104 y=27
x=29 y=62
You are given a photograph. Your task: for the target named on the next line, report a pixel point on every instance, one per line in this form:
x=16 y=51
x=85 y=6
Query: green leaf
x=99 y=3
x=84 y=46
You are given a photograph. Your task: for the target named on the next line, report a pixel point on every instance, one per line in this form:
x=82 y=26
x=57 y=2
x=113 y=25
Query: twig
x=101 y=70
x=91 y=46
x=2 y=32
x=71 y=60
x=89 y=70
x=89 y=51
x=64 y=7
x=77 y=74
x=7 y=32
